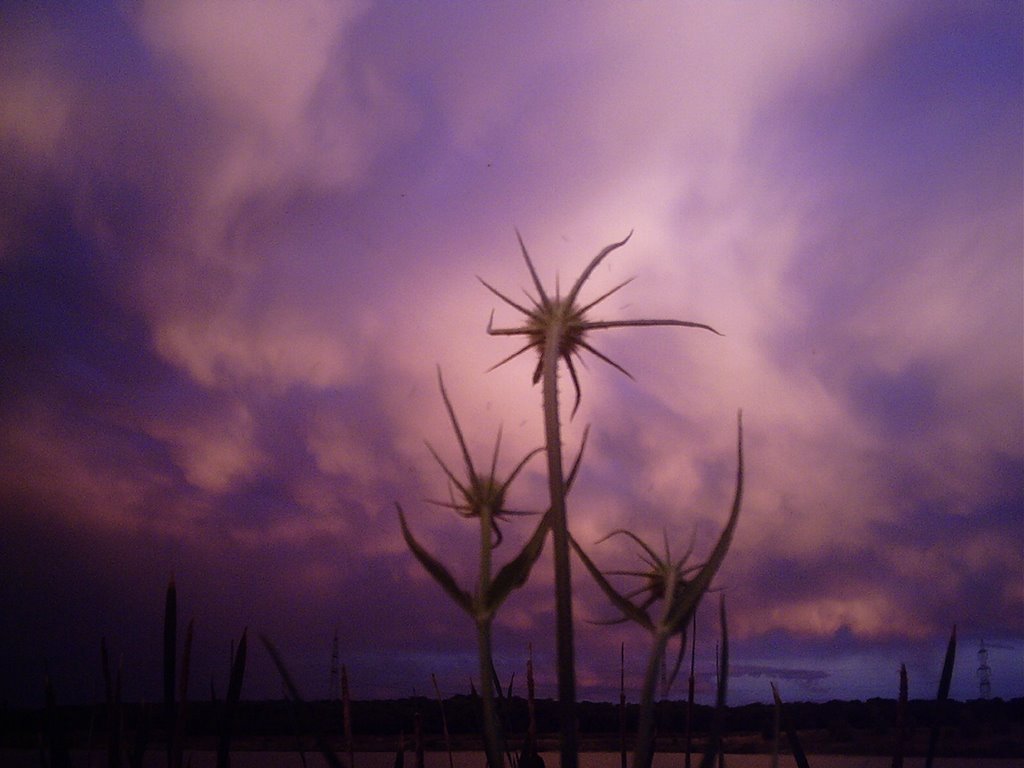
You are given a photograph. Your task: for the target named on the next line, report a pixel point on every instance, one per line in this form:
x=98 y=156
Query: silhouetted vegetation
x=978 y=728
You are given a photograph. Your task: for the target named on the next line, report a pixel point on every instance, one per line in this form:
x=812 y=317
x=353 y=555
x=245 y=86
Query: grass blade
x=690 y=691
x=293 y=692
x=231 y=703
x=794 y=740
x=901 y=720
x=170 y=659
x=346 y=716
x=178 y=740
x=622 y=706
x=940 y=699
x=444 y=722
x=718 y=722
x=776 y=727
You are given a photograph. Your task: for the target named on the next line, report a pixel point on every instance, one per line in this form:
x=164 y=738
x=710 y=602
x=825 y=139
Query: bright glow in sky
x=238 y=238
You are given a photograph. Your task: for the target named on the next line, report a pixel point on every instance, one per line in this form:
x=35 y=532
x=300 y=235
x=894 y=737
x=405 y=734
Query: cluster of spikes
x=480 y=491
x=568 y=319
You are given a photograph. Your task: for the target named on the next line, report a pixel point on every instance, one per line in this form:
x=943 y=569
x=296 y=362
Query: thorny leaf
x=515 y=573
x=665 y=580
x=434 y=567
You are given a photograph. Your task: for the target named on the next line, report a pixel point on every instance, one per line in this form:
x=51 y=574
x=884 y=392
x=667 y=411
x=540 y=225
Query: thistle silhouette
x=483 y=496
x=558 y=328
x=666 y=579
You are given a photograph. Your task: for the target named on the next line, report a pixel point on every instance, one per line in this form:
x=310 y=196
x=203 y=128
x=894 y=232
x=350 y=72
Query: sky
x=238 y=240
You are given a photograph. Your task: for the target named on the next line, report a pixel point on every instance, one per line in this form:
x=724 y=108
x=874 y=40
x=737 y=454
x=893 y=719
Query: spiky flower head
x=481 y=492
x=566 y=320
x=662 y=578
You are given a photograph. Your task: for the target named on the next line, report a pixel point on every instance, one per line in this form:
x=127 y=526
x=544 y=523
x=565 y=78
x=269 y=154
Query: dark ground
x=980 y=728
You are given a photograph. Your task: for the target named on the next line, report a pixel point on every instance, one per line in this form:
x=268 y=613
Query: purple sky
x=237 y=238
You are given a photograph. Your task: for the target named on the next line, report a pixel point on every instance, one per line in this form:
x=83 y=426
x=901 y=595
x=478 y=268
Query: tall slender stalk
x=718 y=719
x=299 y=704
x=795 y=745
x=557 y=328
x=444 y=723
x=776 y=730
x=170 y=660
x=901 y=720
x=565 y=644
x=940 y=698
x=346 y=716
x=482 y=495
x=690 y=691
x=227 y=719
x=529 y=758
x=177 y=753
x=645 y=725
x=622 y=706
x=493 y=738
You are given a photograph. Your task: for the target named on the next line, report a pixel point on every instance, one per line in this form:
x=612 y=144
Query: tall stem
x=492 y=738
x=645 y=726
x=560 y=530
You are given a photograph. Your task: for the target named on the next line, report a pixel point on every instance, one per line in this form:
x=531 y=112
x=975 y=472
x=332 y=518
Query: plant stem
x=689 y=695
x=560 y=534
x=645 y=725
x=492 y=739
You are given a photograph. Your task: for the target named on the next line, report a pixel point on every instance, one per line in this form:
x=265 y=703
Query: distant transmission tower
x=334 y=685
x=984 y=673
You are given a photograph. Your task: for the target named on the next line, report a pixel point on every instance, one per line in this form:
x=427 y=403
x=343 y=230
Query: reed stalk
x=776 y=730
x=170 y=660
x=175 y=711
x=622 y=706
x=794 y=739
x=940 y=698
x=530 y=758
x=714 y=749
x=901 y=721
x=346 y=715
x=299 y=703
x=177 y=753
x=227 y=719
x=690 y=691
x=444 y=722
x=417 y=738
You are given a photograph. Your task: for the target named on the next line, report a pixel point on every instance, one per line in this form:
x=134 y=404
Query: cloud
x=221 y=350
x=243 y=237
x=276 y=79
x=217 y=453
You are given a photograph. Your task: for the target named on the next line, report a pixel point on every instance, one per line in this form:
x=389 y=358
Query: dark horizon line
x=6 y=707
